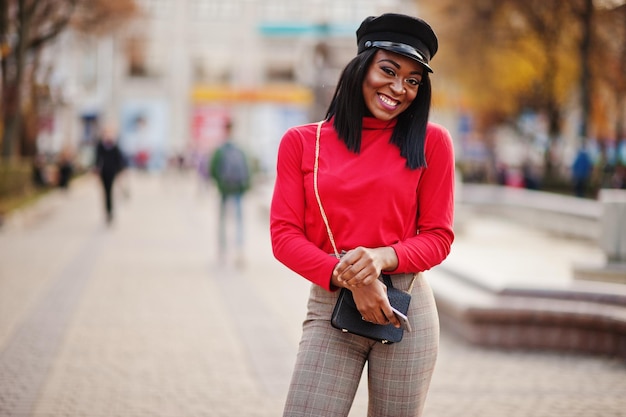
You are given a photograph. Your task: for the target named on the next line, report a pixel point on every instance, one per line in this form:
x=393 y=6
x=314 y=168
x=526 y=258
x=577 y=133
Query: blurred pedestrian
x=530 y=175
x=581 y=172
x=230 y=170
x=39 y=176
x=65 y=166
x=139 y=136
x=109 y=163
x=386 y=181
x=502 y=173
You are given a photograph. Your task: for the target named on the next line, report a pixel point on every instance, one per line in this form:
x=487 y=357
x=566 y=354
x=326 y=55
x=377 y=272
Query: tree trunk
x=12 y=89
x=620 y=129
x=552 y=109
x=620 y=94
x=554 y=134
x=11 y=121
x=585 y=70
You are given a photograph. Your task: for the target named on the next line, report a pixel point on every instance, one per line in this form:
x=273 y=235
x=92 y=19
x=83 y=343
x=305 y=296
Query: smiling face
x=391 y=84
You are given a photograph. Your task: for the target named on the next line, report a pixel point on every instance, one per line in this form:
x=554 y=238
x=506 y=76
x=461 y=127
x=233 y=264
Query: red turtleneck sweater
x=371 y=199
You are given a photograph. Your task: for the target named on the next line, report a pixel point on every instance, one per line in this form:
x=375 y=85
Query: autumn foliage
x=507 y=56
x=26 y=26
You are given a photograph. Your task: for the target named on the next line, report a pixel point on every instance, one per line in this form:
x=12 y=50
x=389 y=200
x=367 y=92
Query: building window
x=280 y=74
x=89 y=68
x=285 y=11
x=215 y=10
x=199 y=70
x=157 y=8
x=136 y=57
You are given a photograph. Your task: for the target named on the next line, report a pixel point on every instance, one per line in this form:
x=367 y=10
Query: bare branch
x=51 y=28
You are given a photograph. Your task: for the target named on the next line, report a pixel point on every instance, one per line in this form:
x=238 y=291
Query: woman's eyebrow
x=391 y=61
x=395 y=64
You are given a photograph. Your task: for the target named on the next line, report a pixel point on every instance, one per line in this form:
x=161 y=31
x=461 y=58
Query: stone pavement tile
x=153 y=336
x=471 y=381
x=32 y=254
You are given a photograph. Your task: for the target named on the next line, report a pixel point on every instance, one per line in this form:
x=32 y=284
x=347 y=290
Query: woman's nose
x=398 y=86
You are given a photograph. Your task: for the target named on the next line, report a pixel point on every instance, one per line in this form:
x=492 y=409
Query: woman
x=386 y=181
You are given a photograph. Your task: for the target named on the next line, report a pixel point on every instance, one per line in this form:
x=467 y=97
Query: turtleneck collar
x=377 y=124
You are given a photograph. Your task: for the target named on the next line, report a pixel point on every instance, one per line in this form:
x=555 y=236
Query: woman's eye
x=388 y=71
x=414 y=82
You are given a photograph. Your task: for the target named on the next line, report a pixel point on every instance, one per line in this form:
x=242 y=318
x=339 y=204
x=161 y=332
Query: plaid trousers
x=330 y=363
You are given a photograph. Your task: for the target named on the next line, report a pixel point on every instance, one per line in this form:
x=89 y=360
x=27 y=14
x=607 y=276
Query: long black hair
x=348 y=108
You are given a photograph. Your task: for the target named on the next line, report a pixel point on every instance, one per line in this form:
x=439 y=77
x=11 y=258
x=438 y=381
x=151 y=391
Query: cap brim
x=408 y=54
x=402 y=49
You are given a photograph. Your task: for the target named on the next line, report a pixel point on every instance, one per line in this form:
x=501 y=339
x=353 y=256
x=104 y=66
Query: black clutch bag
x=347 y=317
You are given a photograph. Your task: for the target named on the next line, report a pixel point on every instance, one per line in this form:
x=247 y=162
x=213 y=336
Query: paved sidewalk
x=139 y=319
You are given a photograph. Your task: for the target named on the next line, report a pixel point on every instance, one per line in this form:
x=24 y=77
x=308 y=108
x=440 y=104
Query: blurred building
x=173 y=74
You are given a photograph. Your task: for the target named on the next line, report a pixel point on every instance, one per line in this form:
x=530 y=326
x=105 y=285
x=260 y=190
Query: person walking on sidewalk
x=386 y=180
x=230 y=170
x=109 y=163
x=582 y=168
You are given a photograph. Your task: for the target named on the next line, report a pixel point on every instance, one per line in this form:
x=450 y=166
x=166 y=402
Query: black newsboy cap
x=406 y=35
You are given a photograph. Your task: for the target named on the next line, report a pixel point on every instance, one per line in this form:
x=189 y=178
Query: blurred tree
x=512 y=55
x=103 y=16
x=585 y=14
x=609 y=64
x=26 y=26
x=24 y=29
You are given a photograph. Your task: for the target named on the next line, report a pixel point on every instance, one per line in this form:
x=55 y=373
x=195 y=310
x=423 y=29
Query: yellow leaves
x=499 y=78
x=507 y=55
x=100 y=16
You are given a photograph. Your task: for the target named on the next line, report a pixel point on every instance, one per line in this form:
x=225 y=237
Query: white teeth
x=388 y=101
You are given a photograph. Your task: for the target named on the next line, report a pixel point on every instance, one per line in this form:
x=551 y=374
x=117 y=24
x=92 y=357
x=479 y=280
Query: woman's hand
x=358 y=270
x=362 y=266
x=373 y=304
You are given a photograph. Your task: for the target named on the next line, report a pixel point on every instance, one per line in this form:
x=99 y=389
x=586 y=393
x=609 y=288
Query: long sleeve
x=435 y=216
x=290 y=242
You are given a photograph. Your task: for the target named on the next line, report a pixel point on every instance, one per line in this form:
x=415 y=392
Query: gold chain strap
x=317 y=194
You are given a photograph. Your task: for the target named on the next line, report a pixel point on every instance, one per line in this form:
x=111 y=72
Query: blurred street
x=141 y=319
